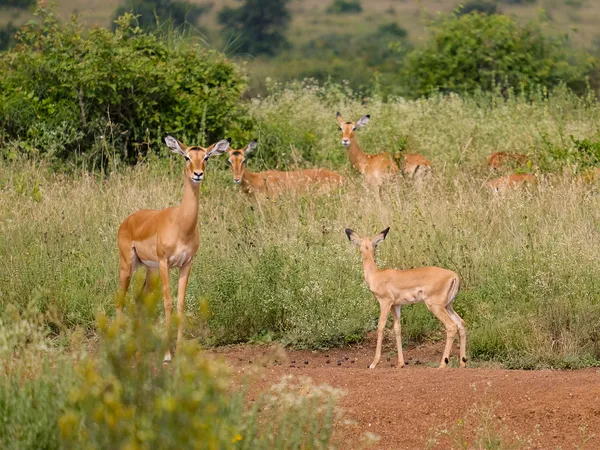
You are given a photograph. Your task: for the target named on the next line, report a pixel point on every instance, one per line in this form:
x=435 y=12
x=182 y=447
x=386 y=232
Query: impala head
x=348 y=128
x=367 y=245
x=196 y=157
x=237 y=158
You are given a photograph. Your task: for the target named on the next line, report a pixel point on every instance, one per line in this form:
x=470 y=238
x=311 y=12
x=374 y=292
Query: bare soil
x=420 y=406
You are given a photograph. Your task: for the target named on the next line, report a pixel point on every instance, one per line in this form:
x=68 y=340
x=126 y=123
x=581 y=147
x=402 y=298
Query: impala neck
x=369 y=265
x=356 y=155
x=188 y=209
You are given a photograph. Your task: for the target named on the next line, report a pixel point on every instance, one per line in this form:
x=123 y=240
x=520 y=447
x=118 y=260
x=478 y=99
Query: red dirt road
x=420 y=407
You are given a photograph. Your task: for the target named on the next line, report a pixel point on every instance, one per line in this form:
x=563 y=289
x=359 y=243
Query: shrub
x=127 y=398
x=113 y=95
x=345 y=7
x=480 y=52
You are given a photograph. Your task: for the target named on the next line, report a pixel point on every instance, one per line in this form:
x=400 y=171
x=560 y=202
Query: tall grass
x=284 y=270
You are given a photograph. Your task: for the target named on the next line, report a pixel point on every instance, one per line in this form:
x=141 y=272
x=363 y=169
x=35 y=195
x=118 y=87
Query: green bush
x=113 y=95
x=484 y=52
x=128 y=399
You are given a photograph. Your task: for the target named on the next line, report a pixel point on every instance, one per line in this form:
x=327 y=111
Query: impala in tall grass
x=275 y=182
x=434 y=286
x=380 y=167
x=163 y=239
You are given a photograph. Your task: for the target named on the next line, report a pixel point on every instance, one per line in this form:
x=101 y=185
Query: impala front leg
x=384 y=311
x=184 y=274
x=164 y=278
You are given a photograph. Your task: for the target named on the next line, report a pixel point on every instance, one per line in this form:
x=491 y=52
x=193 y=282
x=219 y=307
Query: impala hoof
x=372 y=366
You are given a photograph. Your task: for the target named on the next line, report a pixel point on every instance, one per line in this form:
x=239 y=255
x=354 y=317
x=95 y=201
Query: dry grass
x=284 y=270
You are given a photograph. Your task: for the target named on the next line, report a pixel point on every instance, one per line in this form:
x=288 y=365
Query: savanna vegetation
x=84 y=114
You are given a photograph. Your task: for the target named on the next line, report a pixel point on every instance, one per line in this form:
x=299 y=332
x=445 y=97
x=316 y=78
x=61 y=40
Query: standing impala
x=375 y=168
x=434 y=286
x=274 y=182
x=167 y=238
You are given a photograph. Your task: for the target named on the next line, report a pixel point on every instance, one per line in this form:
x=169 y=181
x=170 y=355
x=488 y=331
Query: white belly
x=151 y=264
x=180 y=259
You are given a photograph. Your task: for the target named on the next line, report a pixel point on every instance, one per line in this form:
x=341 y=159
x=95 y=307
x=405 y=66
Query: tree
x=257 y=26
x=477 y=51
x=148 y=12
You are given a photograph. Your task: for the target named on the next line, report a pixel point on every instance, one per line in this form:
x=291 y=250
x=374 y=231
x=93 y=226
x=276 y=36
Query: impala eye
x=340 y=128
x=187 y=158
x=228 y=162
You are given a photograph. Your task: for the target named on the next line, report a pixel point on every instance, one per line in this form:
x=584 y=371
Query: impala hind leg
x=184 y=274
x=462 y=333
x=397 y=332
x=383 y=314
x=451 y=329
x=164 y=279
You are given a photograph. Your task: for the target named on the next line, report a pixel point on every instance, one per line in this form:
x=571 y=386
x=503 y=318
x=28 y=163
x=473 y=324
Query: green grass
x=528 y=260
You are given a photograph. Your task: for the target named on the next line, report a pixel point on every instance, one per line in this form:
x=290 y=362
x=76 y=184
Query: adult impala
x=434 y=286
x=376 y=168
x=167 y=238
x=511 y=181
x=275 y=182
x=499 y=160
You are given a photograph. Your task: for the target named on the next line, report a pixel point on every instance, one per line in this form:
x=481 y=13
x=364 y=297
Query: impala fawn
x=434 y=286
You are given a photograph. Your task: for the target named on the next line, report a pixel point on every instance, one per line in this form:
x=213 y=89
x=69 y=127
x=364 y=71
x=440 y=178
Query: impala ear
x=364 y=120
x=175 y=145
x=338 y=116
x=352 y=236
x=219 y=148
x=251 y=146
x=380 y=237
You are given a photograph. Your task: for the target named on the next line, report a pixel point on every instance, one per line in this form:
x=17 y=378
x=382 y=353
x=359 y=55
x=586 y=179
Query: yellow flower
x=236 y=438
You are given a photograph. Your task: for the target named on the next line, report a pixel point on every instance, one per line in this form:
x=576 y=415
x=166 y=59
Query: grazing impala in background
x=376 y=168
x=434 y=286
x=501 y=159
x=511 y=181
x=167 y=238
x=275 y=182
x=415 y=166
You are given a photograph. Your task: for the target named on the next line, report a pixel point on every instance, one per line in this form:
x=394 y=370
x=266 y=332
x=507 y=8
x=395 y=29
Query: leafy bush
x=113 y=95
x=127 y=398
x=256 y=27
x=345 y=7
x=148 y=12
x=480 y=52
